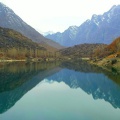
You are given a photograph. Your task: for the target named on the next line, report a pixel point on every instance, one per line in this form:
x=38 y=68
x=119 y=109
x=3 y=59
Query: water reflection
x=93 y=80
x=16 y=79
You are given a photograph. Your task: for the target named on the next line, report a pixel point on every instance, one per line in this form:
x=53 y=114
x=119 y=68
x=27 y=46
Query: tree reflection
x=16 y=79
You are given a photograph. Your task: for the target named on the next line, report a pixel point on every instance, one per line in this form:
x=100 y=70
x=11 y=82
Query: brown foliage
x=109 y=51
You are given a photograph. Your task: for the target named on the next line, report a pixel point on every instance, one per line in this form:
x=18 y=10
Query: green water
x=55 y=91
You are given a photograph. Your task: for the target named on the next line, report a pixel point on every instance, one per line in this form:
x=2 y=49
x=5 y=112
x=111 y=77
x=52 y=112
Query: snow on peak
x=73 y=27
x=95 y=19
x=94 y=16
x=47 y=33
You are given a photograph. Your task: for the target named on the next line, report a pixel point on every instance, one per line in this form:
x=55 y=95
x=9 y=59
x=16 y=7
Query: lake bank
x=31 y=60
x=107 y=64
x=12 y=60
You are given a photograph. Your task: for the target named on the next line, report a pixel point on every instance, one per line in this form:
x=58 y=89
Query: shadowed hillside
x=8 y=19
x=82 y=50
x=14 y=45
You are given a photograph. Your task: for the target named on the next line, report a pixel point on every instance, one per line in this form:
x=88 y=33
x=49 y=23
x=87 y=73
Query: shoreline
x=107 y=65
x=12 y=60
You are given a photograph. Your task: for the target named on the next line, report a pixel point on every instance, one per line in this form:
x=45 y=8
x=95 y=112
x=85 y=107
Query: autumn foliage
x=110 y=51
x=14 y=45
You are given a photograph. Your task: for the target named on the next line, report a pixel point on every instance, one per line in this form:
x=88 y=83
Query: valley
x=59 y=60
x=95 y=40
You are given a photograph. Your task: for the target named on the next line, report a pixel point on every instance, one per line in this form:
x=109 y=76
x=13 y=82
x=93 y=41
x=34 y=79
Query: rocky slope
x=99 y=29
x=8 y=19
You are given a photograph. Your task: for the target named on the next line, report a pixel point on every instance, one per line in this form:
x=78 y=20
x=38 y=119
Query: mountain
x=47 y=33
x=67 y=38
x=110 y=51
x=82 y=50
x=99 y=29
x=15 y=45
x=114 y=46
x=8 y=19
x=10 y=38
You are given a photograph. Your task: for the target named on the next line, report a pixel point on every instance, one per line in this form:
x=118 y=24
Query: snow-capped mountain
x=99 y=29
x=8 y=19
x=47 y=33
x=67 y=38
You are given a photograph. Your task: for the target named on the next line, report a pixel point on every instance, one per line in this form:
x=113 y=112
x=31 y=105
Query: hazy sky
x=58 y=15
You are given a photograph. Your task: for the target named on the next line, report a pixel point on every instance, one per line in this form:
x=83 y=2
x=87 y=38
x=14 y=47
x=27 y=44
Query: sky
x=57 y=15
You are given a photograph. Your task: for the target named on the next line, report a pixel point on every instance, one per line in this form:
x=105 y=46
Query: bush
x=113 y=61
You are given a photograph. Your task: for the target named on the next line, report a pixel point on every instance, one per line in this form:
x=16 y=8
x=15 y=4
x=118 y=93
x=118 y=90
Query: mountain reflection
x=16 y=79
x=92 y=80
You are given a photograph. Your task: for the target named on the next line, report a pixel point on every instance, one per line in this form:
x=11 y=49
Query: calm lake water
x=55 y=91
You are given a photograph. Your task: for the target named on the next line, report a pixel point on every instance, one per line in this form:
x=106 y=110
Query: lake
x=58 y=91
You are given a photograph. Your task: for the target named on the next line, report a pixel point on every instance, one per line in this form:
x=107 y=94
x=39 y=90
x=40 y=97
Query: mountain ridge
x=99 y=29
x=13 y=45
x=10 y=20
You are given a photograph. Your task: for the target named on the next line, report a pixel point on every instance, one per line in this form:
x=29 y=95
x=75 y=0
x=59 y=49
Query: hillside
x=99 y=29
x=81 y=51
x=114 y=46
x=109 y=51
x=108 y=57
x=67 y=38
x=14 y=45
x=8 y=19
